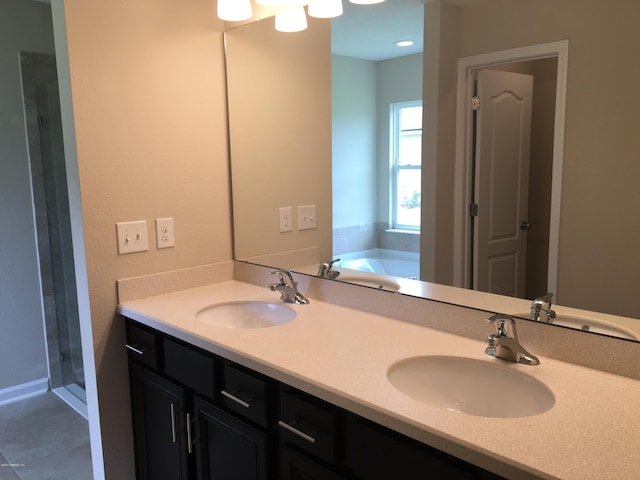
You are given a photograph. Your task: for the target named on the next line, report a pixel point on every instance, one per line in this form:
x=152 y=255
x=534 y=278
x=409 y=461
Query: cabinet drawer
x=190 y=367
x=143 y=345
x=309 y=425
x=245 y=394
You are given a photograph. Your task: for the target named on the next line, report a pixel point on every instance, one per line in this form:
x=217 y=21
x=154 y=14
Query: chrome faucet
x=505 y=345
x=288 y=288
x=541 y=309
x=325 y=270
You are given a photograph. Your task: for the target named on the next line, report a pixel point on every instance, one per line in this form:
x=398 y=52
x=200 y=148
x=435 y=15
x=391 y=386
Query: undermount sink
x=371 y=281
x=246 y=314
x=471 y=386
x=588 y=324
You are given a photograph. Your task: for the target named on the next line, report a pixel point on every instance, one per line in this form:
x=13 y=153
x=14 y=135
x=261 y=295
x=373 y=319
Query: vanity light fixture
x=325 y=8
x=366 y=2
x=273 y=3
x=292 y=20
x=403 y=43
x=234 y=10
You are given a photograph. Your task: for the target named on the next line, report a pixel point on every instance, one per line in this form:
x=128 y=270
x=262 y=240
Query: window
x=406 y=163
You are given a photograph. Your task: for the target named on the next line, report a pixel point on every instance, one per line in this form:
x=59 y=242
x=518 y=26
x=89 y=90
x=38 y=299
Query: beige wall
x=599 y=262
x=147 y=80
x=280 y=135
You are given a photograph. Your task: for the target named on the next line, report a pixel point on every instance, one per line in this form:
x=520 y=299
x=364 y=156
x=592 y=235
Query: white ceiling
x=369 y=31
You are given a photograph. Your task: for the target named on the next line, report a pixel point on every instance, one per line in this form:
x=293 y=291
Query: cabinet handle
x=173 y=423
x=297 y=432
x=137 y=349
x=189 y=447
x=235 y=399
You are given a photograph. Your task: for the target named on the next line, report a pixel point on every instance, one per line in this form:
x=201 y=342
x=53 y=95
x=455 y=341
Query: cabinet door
x=296 y=466
x=375 y=453
x=158 y=423
x=227 y=448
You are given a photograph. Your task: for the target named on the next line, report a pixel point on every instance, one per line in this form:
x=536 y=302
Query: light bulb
x=234 y=10
x=292 y=20
x=325 y=8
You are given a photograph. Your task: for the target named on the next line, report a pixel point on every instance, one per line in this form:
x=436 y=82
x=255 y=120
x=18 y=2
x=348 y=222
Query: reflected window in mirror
x=406 y=163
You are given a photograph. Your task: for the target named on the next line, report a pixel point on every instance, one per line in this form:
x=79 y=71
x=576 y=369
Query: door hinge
x=473 y=209
x=475 y=103
x=40 y=120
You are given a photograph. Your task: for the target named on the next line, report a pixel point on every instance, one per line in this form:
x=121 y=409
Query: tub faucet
x=541 y=309
x=505 y=345
x=288 y=288
x=325 y=270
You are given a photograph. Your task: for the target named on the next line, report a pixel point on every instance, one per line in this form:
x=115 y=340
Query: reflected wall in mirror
x=598 y=262
x=279 y=94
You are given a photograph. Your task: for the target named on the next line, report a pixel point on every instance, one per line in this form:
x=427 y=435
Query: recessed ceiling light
x=404 y=43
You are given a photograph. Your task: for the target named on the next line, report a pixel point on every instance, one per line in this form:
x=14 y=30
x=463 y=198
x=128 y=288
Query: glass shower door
x=59 y=226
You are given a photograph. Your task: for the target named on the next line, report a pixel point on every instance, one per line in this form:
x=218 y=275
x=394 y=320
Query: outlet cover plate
x=286 y=220
x=165 y=236
x=132 y=237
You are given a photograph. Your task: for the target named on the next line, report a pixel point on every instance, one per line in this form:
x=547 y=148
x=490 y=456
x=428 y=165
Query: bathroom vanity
x=199 y=415
x=311 y=399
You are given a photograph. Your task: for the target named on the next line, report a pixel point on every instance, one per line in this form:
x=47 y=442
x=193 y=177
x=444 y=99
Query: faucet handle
x=505 y=325
x=547 y=298
x=285 y=277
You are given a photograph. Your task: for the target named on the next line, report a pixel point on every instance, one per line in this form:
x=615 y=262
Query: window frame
x=395 y=168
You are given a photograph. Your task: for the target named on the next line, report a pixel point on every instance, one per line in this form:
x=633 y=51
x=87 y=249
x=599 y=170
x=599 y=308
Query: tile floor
x=43 y=438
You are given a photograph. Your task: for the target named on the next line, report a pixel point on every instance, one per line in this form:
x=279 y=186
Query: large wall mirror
x=316 y=120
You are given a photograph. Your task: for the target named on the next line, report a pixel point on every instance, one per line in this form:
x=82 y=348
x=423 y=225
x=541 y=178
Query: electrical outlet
x=164 y=233
x=132 y=237
x=286 y=222
x=306 y=217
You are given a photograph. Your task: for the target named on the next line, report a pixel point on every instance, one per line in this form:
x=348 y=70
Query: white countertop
x=342 y=355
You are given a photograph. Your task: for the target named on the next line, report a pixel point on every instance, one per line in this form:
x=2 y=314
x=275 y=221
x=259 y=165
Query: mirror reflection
x=309 y=127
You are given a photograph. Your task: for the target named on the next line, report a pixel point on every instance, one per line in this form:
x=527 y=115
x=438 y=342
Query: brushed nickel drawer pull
x=297 y=432
x=137 y=349
x=189 y=445
x=173 y=423
x=235 y=399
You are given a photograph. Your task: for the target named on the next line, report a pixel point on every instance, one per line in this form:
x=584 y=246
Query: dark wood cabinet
x=376 y=453
x=227 y=448
x=197 y=415
x=158 y=421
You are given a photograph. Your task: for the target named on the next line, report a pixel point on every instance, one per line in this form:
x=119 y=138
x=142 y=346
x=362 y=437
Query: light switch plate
x=165 y=237
x=132 y=237
x=306 y=217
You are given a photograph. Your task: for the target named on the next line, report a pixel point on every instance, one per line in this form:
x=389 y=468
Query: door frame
x=462 y=182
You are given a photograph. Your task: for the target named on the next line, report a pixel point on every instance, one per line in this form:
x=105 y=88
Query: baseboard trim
x=24 y=390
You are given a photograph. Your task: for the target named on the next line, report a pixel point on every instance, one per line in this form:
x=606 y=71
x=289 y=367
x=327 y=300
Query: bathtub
x=383 y=262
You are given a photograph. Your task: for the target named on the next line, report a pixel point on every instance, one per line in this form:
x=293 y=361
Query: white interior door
x=503 y=130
